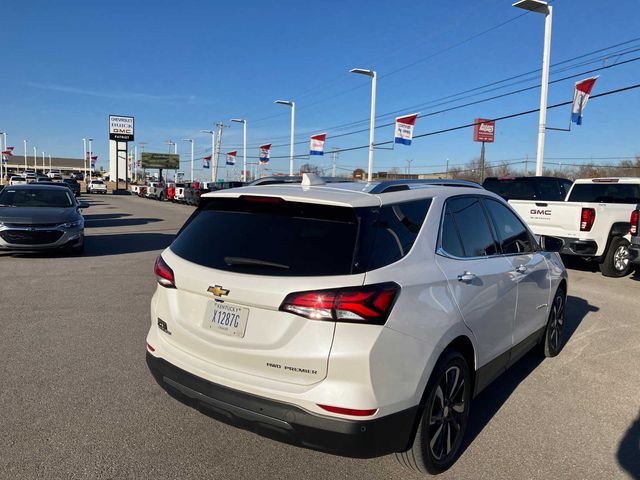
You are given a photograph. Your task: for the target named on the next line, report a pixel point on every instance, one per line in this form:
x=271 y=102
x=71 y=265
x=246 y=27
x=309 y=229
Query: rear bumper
x=583 y=248
x=285 y=422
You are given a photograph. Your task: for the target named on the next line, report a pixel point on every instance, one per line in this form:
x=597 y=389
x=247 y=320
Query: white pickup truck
x=593 y=221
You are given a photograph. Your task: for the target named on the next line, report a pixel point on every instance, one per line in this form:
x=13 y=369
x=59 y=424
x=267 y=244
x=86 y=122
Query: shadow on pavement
x=578 y=263
x=116 y=244
x=490 y=400
x=629 y=450
x=104 y=216
x=118 y=222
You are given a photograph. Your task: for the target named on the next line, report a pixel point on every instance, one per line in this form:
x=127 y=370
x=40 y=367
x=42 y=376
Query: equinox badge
x=218 y=291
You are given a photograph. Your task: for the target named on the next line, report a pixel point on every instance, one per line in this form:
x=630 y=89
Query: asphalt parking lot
x=77 y=400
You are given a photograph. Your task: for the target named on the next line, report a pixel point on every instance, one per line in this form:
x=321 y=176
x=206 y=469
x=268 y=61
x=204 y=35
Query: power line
x=496 y=119
x=475 y=89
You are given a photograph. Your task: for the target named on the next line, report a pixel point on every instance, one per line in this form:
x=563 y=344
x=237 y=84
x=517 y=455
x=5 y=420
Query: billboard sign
x=120 y=128
x=484 y=130
x=160 y=160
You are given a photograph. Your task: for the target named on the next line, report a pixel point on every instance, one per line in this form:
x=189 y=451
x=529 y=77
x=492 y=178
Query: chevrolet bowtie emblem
x=218 y=291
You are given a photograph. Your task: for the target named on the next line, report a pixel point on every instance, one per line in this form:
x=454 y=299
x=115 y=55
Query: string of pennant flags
x=404 y=127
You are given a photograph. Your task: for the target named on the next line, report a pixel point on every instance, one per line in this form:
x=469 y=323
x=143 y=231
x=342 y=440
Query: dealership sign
x=160 y=160
x=120 y=128
x=484 y=130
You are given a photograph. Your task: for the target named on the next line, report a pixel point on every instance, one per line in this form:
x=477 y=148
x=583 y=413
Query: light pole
x=539 y=6
x=292 y=104
x=25 y=156
x=35 y=160
x=213 y=147
x=44 y=166
x=49 y=163
x=244 y=146
x=84 y=156
x=372 y=124
x=190 y=140
x=4 y=147
x=91 y=166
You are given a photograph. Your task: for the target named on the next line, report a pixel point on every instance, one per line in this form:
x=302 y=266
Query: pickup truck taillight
x=633 y=222
x=587 y=217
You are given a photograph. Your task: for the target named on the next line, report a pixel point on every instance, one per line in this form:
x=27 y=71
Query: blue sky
x=179 y=67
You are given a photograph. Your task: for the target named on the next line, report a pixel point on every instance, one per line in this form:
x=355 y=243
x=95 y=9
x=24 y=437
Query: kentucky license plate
x=228 y=319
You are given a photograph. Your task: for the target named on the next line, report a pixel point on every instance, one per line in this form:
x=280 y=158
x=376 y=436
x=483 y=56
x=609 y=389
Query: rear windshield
x=605 y=193
x=256 y=236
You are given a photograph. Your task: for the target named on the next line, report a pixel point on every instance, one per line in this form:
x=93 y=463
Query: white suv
x=96 y=186
x=357 y=319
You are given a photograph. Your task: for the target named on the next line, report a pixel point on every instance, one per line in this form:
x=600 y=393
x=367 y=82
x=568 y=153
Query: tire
x=552 y=341
x=432 y=450
x=616 y=261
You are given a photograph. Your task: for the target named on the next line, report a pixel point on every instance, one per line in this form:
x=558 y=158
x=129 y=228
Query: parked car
x=178 y=195
x=634 y=232
x=593 y=220
x=54 y=172
x=361 y=320
x=171 y=191
x=153 y=190
x=96 y=186
x=529 y=188
x=73 y=185
x=40 y=217
x=17 y=180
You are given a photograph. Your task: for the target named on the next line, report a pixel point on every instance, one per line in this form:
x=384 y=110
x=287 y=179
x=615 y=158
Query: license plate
x=228 y=319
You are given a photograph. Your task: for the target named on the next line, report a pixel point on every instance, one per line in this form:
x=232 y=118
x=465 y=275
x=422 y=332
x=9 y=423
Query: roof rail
x=387 y=186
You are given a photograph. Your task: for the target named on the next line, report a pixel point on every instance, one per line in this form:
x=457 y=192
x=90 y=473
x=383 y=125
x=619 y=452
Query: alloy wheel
x=621 y=258
x=557 y=323
x=447 y=413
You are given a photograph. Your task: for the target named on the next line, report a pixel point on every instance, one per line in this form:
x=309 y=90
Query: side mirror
x=551 y=244
x=83 y=205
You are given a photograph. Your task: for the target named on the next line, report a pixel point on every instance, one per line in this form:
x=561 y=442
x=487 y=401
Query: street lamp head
x=207 y=131
x=238 y=120
x=284 y=102
x=187 y=140
x=533 y=6
x=363 y=71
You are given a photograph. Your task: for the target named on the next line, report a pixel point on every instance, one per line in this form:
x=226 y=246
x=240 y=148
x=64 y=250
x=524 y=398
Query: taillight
x=587 y=217
x=633 y=227
x=164 y=274
x=368 y=304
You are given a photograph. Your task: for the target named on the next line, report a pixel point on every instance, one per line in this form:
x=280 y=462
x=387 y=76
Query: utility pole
x=526 y=164
x=409 y=167
x=334 y=161
x=446 y=175
x=220 y=126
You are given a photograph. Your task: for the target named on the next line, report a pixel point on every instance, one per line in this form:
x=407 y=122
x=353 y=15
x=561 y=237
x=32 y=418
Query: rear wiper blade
x=254 y=262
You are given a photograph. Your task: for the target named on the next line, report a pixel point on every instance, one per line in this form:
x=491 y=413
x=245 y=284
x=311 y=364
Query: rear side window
x=511 y=189
x=268 y=236
x=513 y=235
x=549 y=189
x=605 y=193
x=466 y=217
x=389 y=232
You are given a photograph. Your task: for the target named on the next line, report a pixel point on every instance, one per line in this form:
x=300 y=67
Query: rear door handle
x=467 y=277
x=521 y=269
